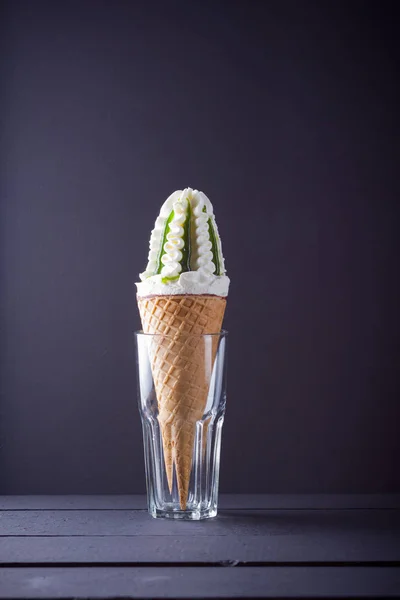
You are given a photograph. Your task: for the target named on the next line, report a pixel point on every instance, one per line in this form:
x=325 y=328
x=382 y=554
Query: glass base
x=171 y=512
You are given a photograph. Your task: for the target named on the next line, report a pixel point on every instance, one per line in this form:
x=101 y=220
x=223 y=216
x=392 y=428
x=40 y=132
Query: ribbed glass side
x=203 y=477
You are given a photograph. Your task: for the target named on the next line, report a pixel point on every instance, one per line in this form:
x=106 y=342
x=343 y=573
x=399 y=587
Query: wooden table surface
x=273 y=546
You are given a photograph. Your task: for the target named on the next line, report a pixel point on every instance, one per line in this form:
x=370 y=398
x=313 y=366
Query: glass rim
x=140 y=332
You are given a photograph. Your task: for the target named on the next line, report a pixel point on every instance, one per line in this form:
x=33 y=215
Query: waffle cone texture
x=180 y=373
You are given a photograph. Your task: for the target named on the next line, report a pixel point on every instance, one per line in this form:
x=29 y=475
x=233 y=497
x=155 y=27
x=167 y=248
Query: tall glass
x=182 y=395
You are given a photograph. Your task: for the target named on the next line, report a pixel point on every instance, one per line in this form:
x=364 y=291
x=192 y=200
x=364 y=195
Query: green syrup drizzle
x=214 y=245
x=161 y=253
x=186 y=250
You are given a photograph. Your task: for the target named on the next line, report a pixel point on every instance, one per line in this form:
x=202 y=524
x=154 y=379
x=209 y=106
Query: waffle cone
x=181 y=374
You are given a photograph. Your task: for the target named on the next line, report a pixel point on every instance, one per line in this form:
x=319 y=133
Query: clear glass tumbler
x=182 y=395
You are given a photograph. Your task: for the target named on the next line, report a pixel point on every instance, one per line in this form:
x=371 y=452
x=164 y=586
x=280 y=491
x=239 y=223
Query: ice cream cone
x=181 y=373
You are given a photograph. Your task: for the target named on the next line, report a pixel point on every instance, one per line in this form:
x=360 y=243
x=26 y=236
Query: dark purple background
x=286 y=115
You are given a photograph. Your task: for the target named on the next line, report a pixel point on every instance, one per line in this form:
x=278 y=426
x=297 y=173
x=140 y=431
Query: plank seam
x=201 y=564
x=220 y=511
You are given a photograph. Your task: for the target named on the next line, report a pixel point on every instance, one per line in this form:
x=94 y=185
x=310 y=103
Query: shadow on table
x=304 y=521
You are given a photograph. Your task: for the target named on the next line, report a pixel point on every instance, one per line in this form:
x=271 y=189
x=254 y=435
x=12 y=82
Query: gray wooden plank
x=315 y=547
x=229 y=522
x=73 y=502
x=227 y=501
x=217 y=582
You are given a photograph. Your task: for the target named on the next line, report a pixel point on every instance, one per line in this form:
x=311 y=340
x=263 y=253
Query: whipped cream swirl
x=185 y=255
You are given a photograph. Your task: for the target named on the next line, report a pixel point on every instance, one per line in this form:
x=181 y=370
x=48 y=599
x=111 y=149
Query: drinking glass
x=182 y=396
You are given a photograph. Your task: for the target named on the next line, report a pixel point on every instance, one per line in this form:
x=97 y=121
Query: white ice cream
x=191 y=282
x=163 y=274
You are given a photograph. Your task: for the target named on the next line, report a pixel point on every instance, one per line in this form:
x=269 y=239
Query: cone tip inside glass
x=185 y=251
